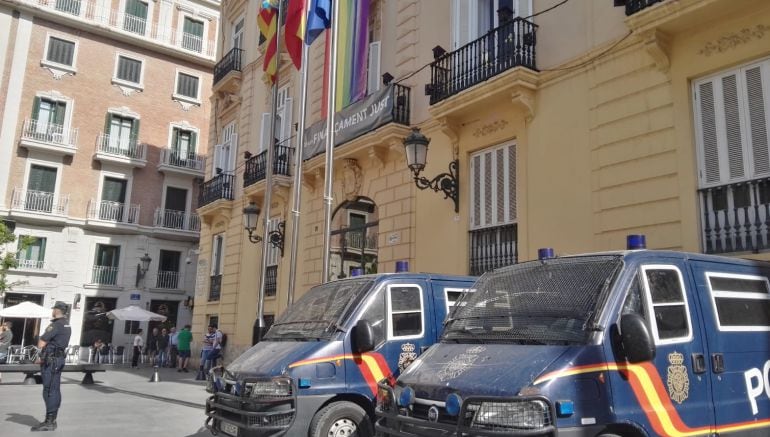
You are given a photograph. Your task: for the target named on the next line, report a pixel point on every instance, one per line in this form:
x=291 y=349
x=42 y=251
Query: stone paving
x=122 y=403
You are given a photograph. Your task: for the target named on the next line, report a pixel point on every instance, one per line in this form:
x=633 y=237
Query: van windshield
x=318 y=314
x=539 y=302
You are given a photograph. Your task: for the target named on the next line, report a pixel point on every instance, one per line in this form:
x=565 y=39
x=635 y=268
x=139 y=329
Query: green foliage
x=8 y=259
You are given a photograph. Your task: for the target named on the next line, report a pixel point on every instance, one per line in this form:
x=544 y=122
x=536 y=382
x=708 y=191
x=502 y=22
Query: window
x=742 y=302
x=213 y=320
x=32 y=256
x=135 y=19
x=217 y=253
x=373 y=71
x=405 y=302
x=68 y=6
x=122 y=134
x=41 y=188
x=113 y=203
x=168 y=269
x=224 y=154
x=48 y=118
x=187 y=85
x=375 y=315
x=105 y=269
x=183 y=143
x=668 y=304
x=129 y=70
x=452 y=295
x=471 y=20
x=60 y=52
x=131 y=327
x=192 y=35
x=238 y=34
x=732 y=124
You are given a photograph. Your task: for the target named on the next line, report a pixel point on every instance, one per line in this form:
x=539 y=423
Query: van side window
x=668 y=303
x=633 y=303
x=742 y=302
x=375 y=314
x=405 y=311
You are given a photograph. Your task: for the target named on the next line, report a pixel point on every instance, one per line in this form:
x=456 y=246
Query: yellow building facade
x=573 y=124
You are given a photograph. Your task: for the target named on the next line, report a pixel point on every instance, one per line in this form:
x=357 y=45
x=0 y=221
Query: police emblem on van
x=407 y=356
x=459 y=364
x=677 y=380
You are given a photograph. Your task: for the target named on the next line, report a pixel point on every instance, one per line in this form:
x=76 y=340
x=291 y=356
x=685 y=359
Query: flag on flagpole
x=295 y=31
x=319 y=17
x=267 y=20
x=353 y=51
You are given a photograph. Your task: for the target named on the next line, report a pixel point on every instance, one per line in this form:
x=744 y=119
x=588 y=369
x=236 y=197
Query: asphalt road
x=122 y=403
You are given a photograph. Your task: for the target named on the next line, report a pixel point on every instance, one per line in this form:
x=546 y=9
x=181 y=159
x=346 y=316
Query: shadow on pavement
x=202 y=432
x=111 y=390
x=25 y=419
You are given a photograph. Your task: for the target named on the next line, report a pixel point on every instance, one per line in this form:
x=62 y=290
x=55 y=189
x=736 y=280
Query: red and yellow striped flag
x=295 y=30
x=267 y=20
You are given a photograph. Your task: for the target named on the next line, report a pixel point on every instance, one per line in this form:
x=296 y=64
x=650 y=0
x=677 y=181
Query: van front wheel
x=341 y=419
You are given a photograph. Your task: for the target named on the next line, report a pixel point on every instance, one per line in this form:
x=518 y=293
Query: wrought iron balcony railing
x=180 y=220
x=49 y=133
x=634 y=6
x=167 y=279
x=30 y=264
x=104 y=275
x=512 y=44
x=115 y=145
x=215 y=288
x=218 y=187
x=256 y=166
x=40 y=201
x=491 y=248
x=113 y=212
x=189 y=161
x=736 y=217
x=229 y=62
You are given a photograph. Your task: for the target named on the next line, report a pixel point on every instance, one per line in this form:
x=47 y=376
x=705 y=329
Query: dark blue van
x=635 y=343
x=316 y=371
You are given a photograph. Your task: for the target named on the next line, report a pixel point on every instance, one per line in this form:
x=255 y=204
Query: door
x=136 y=16
x=192 y=37
x=675 y=387
x=113 y=199
x=175 y=207
x=227 y=152
x=122 y=136
x=410 y=329
x=238 y=34
x=736 y=310
x=41 y=186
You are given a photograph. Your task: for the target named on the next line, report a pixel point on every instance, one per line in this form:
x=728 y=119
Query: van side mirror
x=636 y=339
x=363 y=337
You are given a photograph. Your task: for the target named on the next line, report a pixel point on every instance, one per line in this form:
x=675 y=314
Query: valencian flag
x=295 y=30
x=267 y=20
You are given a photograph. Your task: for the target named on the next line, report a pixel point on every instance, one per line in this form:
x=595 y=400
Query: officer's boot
x=48 y=425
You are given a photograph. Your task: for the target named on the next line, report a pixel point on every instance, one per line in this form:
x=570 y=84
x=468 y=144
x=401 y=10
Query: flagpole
x=298 y=151
x=269 y=178
x=328 y=182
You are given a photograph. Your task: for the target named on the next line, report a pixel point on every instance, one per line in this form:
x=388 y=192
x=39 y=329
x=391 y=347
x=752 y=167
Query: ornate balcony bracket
x=524 y=100
x=449 y=128
x=657 y=45
x=379 y=155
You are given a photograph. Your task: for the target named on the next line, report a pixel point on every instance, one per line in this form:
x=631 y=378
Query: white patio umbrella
x=26 y=310
x=136 y=314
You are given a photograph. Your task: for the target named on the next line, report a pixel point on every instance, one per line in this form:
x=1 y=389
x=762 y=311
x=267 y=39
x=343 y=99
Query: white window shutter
x=757 y=102
x=233 y=152
x=476 y=191
x=733 y=129
x=461 y=23
x=373 y=78
x=265 y=130
x=286 y=123
x=272 y=252
x=487 y=217
x=511 y=196
x=217 y=162
x=707 y=129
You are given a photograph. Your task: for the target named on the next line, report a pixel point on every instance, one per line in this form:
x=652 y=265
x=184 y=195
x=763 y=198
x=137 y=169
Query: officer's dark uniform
x=57 y=337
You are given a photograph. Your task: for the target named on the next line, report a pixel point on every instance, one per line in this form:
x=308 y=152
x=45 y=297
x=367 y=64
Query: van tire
x=341 y=419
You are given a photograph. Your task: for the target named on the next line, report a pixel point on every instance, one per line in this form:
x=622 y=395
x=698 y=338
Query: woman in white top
x=138 y=343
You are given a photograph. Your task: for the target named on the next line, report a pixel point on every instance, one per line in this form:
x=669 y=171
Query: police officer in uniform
x=52 y=344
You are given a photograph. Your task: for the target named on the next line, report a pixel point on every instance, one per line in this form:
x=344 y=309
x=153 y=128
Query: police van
x=316 y=371
x=632 y=343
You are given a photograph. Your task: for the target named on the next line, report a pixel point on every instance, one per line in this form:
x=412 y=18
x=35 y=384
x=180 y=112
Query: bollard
x=155 y=376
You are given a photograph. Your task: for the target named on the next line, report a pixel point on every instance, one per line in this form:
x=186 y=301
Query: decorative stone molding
x=490 y=128
x=185 y=104
x=58 y=73
x=657 y=44
x=351 y=179
x=127 y=90
x=378 y=155
x=732 y=40
x=225 y=100
x=524 y=100
x=123 y=111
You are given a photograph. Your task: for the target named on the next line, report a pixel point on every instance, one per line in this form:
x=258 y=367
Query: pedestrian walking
x=53 y=344
x=173 y=346
x=184 y=338
x=138 y=344
x=162 y=346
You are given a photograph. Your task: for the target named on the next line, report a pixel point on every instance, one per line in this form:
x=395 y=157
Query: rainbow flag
x=353 y=50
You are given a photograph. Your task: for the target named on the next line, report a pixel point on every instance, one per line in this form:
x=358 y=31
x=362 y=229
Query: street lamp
x=416 y=148
x=275 y=238
x=141 y=268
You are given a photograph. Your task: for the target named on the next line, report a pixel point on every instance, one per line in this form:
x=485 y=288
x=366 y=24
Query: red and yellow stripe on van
x=372 y=365
x=653 y=397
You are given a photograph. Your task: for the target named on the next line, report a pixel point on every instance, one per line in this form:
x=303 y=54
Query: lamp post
x=142 y=267
x=416 y=148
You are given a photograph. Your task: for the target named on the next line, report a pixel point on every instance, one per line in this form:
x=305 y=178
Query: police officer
x=52 y=344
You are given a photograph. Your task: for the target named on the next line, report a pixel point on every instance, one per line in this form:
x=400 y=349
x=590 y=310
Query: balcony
x=256 y=166
x=215 y=288
x=216 y=188
x=39 y=206
x=491 y=248
x=179 y=224
x=227 y=72
x=736 y=217
x=104 y=275
x=167 y=280
x=117 y=150
x=97 y=16
x=112 y=215
x=49 y=137
x=171 y=161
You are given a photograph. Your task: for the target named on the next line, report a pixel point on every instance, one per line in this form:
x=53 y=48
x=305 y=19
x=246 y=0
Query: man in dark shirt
x=52 y=345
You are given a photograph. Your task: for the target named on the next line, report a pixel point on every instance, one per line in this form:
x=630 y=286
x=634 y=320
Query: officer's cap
x=59 y=305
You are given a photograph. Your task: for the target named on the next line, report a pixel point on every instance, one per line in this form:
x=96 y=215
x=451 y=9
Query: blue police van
x=631 y=343
x=316 y=371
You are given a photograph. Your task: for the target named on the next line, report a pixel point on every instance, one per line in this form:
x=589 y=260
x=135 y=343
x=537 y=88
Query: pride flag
x=353 y=50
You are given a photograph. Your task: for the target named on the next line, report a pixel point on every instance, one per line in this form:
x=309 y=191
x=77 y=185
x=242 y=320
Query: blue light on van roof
x=545 y=253
x=635 y=242
x=358 y=271
x=453 y=404
x=565 y=408
x=402 y=266
x=406 y=398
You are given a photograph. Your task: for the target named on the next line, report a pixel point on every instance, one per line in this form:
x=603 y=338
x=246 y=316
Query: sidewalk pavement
x=121 y=403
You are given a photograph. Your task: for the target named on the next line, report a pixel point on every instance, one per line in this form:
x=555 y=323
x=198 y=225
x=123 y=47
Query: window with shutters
x=493 y=231
x=732 y=118
x=238 y=33
x=135 y=17
x=217 y=263
x=50 y=120
x=224 y=153
x=192 y=34
x=129 y=71
x=60 y=53
x=473 y=19
x=183 y=143
x=121 y=134
x=187 y=87
x=32 y=254
x=40 y=194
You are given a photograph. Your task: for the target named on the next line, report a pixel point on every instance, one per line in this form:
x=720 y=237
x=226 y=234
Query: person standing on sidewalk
x=173 y=346
x=184 y=338
x=208 y=345
x=53 y=344
x=162 y=341
x=138 y=344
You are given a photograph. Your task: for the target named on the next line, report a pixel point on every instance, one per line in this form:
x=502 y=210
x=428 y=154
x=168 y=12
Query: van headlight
x=385 y=399
x=275 y=387
x=514 y=414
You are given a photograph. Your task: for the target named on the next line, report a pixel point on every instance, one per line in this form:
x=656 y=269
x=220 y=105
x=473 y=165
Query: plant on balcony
x=8 y=260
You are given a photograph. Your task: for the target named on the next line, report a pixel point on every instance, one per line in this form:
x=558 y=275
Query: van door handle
x=718 y=363
x=698 y=363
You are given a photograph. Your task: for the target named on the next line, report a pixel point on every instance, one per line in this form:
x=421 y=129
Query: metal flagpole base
x=155 y=376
